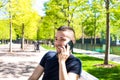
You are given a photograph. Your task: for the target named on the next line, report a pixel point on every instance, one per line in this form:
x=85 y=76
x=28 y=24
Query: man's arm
x=62 y=57
x=37 y=73
x=63 y=75
x=73 y=76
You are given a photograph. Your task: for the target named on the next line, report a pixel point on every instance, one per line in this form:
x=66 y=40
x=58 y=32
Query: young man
x=59 y=65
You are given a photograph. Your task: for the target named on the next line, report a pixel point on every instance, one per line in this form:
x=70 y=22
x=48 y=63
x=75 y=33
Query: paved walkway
x=112 y=57
x=19 y=65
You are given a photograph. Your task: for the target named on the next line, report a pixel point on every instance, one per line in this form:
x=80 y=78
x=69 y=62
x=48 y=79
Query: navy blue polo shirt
x=51 y=66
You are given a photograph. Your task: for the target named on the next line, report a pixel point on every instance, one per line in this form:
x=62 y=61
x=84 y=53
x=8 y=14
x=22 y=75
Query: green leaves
x=85 y=17
x=23 y=13
x=5 y=30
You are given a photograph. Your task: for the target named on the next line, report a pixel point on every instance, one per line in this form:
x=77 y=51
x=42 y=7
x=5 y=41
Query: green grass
x=88 y=64
x=48 y=47
x=115 y=50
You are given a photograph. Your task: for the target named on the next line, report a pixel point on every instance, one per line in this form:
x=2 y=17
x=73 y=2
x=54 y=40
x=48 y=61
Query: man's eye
x=55 y=39
x=62 y=39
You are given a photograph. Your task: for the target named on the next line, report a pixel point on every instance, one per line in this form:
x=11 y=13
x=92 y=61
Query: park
x=25 y=33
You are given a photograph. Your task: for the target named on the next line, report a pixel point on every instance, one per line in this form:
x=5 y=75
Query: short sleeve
x=43 y=60
x=76 y=67
x=46 y=57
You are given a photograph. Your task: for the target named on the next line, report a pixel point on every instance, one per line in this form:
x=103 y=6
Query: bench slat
x=86 y=76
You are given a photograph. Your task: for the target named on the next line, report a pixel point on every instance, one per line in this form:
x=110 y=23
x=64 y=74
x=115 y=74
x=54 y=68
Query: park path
x=112 y=57
x=18 y=65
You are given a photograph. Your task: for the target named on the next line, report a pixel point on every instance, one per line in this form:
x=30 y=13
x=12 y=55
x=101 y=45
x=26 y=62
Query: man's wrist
x=61 y=62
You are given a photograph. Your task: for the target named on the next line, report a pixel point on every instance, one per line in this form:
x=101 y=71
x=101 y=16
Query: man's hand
x=65 y=53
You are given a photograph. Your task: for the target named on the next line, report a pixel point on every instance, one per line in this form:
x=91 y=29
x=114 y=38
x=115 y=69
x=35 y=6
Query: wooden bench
x=87 y=76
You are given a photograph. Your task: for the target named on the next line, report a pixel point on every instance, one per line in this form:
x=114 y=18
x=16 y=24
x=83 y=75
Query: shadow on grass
x=16 y=70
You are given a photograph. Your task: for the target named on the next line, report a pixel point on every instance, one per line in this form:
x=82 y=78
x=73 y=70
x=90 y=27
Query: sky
x=39 y=5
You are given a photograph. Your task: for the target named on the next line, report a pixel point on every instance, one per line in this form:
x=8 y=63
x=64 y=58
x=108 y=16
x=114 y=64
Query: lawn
x=88 y=64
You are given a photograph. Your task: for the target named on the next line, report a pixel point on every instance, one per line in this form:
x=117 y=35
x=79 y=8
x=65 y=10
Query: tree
x=10 y=19
x=107 y=2
x=0 y=4
x=115 y=28
x=63 y=13
x=24 y=19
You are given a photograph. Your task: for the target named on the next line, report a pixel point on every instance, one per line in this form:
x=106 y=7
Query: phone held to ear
x=70 y=43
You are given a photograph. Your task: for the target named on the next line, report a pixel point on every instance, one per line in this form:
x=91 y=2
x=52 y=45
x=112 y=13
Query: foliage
x=5 y=30
x=23 y=14
x=0 y=4
x=88 y=14
x=115 y=20
x=87 y=17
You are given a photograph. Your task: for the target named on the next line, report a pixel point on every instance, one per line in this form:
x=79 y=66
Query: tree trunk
x=107 y=34
x=82 y=35
x=68 y=13
x=91 y=41
x=10 y=45
x=94 y=33
x=22 y=42
x=94 y=42
x=37 y=33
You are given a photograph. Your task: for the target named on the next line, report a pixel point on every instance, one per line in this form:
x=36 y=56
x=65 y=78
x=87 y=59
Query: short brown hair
x=65 y=28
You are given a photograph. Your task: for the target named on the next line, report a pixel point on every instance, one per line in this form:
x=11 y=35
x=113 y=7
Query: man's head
x=71 y=32
x=63 y=35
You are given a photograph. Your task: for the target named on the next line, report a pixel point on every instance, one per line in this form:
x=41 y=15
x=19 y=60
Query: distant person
x=35 y=45
x=62 y=64
x=38 y=46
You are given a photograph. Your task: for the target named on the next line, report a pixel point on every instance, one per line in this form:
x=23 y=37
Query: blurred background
x=30 y=21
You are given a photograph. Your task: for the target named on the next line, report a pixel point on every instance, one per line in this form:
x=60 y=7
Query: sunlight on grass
x=48 y=47
x=88 y=64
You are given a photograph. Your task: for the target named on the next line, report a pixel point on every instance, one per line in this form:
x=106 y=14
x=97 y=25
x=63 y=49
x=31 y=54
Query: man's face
x=61 y=39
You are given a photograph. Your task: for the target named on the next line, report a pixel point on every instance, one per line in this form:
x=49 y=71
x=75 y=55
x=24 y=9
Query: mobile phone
x=70 y=43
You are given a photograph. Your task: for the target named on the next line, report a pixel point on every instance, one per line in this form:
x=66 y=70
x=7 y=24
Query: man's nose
x=58 y=43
